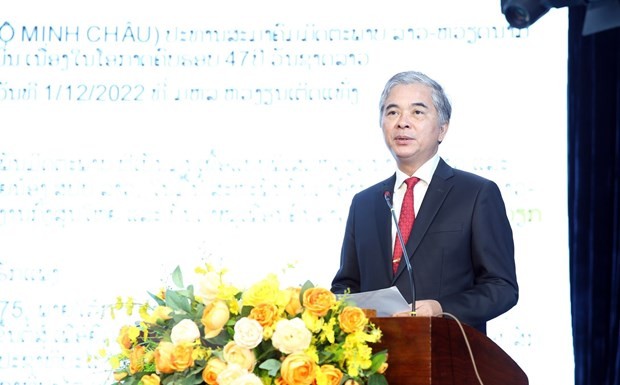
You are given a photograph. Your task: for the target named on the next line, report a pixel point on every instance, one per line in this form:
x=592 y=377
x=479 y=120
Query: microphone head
x=387 y=195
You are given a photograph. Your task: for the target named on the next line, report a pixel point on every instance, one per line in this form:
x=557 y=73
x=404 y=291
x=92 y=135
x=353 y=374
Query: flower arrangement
x=217 y=334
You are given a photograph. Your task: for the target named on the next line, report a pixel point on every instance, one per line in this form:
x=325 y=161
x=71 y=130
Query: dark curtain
x=594 y=200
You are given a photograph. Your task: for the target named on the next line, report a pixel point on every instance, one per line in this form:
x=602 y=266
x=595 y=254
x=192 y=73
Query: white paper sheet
x=385 y=301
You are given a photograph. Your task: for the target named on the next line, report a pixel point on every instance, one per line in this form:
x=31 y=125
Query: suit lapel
x=435 y=195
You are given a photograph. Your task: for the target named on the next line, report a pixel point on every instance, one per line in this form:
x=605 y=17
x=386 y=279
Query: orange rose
x=294 y=304
x=136 y=359
x=214 y=317
x=298 y=369
x=318 y=301
x=213 y=368
x=152 y=379
x=265 y=313
x=352 y=319
x=331 y=374
x=164 y=358
x=170 y=357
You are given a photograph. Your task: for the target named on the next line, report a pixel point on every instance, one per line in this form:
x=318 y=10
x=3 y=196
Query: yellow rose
x=183 y=356
x=214 y=367
x=352 y=319
x=136 y=359
x=160 y=313
x=318 y=301
x=351 y=382
x=127 y=336
x=294 y=304
x=266 y=291
x=152 y=379
x=237 y=354
x=330 y=375
x=214 y=317
x=298 y=369
x=265 y=313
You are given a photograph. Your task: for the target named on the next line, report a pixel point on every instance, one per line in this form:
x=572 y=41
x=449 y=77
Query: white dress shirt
x=425 y=174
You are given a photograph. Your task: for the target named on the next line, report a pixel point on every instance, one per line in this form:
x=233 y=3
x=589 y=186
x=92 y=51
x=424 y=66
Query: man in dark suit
x=461 y=246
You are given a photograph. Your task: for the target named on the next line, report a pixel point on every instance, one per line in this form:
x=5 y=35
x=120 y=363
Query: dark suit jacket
x=461 y=247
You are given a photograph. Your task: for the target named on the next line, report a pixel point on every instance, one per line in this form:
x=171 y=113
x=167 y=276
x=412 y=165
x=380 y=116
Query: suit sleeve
x=348 y=275
x=495 y=288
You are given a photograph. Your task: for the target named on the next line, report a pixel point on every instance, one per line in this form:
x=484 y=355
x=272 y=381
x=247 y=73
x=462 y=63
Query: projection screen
x=140 y=136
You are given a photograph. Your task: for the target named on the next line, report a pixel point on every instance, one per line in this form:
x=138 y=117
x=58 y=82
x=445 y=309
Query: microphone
x=388 y=199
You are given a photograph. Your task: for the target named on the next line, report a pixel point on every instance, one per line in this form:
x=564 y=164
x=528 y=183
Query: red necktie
x=405 y=222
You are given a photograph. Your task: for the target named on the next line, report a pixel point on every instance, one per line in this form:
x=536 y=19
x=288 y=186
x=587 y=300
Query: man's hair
x=440 y=99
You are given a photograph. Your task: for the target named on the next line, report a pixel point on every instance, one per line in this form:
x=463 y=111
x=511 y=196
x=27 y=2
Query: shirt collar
x=425 y=172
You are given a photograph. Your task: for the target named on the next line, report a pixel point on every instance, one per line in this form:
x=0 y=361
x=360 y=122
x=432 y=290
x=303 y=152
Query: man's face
x=411 y=126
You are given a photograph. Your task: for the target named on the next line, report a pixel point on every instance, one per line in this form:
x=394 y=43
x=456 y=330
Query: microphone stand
x=387 y=195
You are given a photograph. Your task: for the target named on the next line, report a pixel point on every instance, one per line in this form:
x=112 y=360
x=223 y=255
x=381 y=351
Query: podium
x=433 y=351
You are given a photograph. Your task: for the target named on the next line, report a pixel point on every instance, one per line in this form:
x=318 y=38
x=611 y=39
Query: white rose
x=291 y=336
x=247 y=379
x=248 y=333
x=184 y=331
x=208 y=286
x=230 y=374
x=237 y=354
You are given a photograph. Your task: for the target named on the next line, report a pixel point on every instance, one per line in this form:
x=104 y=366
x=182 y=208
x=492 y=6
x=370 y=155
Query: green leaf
x=189 y=292
x=129 y=381
x=245 y=311
x=378 y=359
x=219 y=340
x=272 y=366
x=158 y=300
x=178 y=302
x=264 y=350
x=307 y=285
x=177 y=277
x=377 y=379
x=189 y=380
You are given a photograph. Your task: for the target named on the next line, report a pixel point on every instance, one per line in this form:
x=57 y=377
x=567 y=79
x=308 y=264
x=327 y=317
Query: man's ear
x=443 y=130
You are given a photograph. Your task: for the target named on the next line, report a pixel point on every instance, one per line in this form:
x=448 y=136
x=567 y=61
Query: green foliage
x=272 y=366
